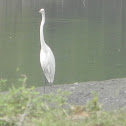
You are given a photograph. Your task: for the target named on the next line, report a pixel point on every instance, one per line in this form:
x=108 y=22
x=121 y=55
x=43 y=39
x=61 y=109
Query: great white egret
x=47 y=59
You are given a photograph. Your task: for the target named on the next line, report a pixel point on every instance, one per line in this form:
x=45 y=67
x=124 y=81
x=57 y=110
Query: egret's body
x=47 y=59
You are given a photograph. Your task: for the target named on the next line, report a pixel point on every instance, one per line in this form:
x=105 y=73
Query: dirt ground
x=112 y=93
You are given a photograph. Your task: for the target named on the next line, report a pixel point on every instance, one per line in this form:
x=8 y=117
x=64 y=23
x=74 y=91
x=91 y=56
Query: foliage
x=93 y=105
x=24 y=106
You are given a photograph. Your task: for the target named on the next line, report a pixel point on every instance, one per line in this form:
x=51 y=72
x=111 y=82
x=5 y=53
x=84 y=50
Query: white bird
x=47 y=59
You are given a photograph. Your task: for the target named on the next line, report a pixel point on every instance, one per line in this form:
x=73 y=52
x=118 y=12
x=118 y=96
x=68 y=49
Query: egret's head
x=42 y=11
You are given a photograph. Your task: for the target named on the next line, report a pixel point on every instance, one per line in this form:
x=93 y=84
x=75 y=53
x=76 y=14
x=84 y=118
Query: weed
x=24 y=106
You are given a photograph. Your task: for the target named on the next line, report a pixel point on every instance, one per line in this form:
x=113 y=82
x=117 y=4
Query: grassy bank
x=24 y=106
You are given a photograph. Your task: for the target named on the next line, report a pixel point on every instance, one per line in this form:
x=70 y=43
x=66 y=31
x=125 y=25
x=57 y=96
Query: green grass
x=24 y=106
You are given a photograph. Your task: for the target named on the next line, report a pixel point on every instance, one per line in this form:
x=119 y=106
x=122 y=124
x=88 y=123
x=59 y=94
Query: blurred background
x=87 y=37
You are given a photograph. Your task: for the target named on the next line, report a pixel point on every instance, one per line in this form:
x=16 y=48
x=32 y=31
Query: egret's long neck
x=42 y=41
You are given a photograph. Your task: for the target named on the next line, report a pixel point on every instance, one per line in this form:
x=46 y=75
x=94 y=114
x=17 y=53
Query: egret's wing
x=49 y=67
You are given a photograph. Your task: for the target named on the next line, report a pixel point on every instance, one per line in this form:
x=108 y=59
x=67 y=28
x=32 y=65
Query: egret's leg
x=44 y=88
x=50 y=87
x=45 y=81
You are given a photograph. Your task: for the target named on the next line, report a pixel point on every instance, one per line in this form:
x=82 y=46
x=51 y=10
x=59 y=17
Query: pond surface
x=87 y=37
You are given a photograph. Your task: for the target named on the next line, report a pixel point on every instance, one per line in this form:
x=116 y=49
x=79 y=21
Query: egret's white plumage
x=47 y=59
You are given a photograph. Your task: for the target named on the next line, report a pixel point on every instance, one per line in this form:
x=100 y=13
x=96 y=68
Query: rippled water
x=86 y=37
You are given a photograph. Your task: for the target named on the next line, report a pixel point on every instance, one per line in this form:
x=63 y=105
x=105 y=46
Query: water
x=87 y=38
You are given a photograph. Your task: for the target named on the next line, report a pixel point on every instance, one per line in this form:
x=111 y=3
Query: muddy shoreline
x=111 y=93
